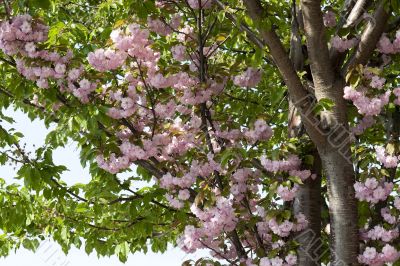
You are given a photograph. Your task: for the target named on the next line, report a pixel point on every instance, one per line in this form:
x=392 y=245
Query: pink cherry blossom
x=286 y=193
x=371 y=192
x=250 y=78
x=292 y=163
x=387 y=160
x=329 y=19
x=343 y=44
x=203 y=4
x=179 y=52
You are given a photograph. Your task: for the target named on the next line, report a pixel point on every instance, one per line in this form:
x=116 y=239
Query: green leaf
x=122 y=251
x=43 y=4
x=323 y=105
x=30 y=244
x=296 y=179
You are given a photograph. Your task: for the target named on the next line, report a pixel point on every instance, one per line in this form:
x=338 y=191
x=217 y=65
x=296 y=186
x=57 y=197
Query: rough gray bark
x=308 y=198
x=308 y=201
x=335 y=153
x=344 y=231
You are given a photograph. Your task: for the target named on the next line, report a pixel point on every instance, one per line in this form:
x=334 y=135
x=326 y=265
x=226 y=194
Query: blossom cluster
x=21 y=37
x=287 y=194
x=181 y=184
x=329 y=19
x=377 y=82
x=250 y=78
x=290 y=260
x=302 y=174
x=282 y=229
x=366 y=105
x=179 y=52
x=371 y=191
x=292 y=163
x=371 y=256
x=388 y=161
x=106 y=59
x=21 y=34
x=386 y=46
x=159 y=27
x=204 y=4
x=380 y=233
x=239 y=184
x=261 y=131
x=196 y=170
x=342 y=44
x=161 y=147
x=396 y=92
x=215 y=220
x=365 y=123
x=387 y=216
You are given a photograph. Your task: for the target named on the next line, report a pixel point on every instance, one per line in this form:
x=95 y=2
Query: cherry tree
x=266 y=132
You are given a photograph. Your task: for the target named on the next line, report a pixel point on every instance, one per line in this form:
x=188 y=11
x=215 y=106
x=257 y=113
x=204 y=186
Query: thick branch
x=321 y=68
x=369 y=38
x=296 y=51
x=355 y=13
x=297 y=91
x=278 y=52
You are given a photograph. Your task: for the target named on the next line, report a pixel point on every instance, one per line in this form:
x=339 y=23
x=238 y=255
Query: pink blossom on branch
x=371 y=191
x=292 y=163
x=329 y=19
x=158 y=26
x=261 y=131
x=372 y=257
x=342 y=44
x=203 y=4
x=179 y=52
x=104 y=60
x=386 y=46
x=388 y=161
x=365 y=105
x=365 y=123
x=287 y=194
x=250 y=78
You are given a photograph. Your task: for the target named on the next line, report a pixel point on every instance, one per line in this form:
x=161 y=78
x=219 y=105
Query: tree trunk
x=339 y=171
x=342 y=207
x=308 y=201
x=329 y=131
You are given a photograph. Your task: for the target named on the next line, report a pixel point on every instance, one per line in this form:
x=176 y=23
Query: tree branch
x=369 y=38
x=297 y=92
x=321 y=67
x=243 y=26
x=356 y=12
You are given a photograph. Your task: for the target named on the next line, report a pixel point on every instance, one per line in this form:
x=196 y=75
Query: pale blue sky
x=49 y=254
